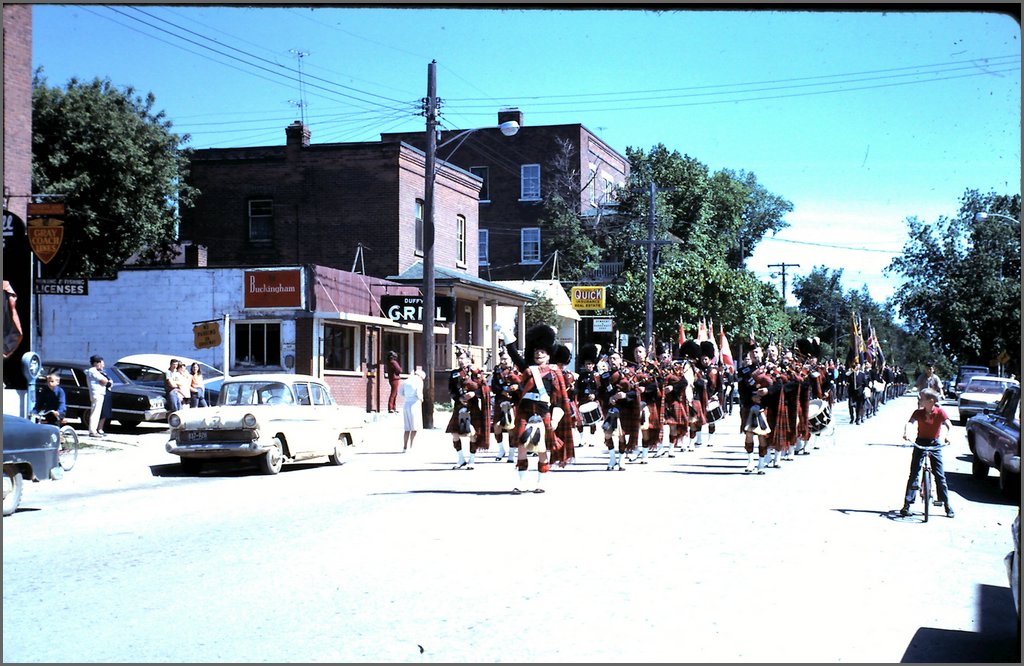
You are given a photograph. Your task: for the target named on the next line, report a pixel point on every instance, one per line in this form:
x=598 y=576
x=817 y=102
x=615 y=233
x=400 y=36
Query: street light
x=508 y=128
x=981 y=216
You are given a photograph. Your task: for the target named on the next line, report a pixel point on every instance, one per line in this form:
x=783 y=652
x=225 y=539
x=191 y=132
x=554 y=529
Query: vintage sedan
x=30 y=453
x=994 y=439
x=272 y=418
x=132 y=404
x=981 y=392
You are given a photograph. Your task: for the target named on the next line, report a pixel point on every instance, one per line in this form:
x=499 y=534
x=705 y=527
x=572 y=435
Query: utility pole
x=430 y=109
x=650 y=243
x=782 y=271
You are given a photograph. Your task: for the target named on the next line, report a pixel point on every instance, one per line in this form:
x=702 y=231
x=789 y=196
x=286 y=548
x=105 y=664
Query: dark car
x=132 y=403
x=994 y=438
x=30 y=453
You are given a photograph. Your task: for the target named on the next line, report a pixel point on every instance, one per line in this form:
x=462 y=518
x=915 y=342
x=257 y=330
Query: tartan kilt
x=698 y=417
x=629 y=418
x=565 y=433
x=654 y=419
x=675 y=410
x=524 y=411
x=481 y=423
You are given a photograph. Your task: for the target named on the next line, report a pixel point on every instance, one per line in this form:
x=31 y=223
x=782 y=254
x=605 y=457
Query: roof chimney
x=297 y=134
x=504 y=115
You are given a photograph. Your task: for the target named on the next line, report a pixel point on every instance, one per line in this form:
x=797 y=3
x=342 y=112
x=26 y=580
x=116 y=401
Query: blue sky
x=860 y=119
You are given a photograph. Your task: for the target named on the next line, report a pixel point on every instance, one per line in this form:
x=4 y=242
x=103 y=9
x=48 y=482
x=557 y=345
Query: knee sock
x=611 y=457
x=462 y=458
x=472 y=458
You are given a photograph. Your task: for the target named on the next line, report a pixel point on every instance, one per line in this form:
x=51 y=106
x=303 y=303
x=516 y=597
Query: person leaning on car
x=178 y=384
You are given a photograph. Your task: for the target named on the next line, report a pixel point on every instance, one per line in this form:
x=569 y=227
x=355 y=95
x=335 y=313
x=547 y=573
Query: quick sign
x=588 y=298
x=61 y=286
x=405 y=309
x=273 y=289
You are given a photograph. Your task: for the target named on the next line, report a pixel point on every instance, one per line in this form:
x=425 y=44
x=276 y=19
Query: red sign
x=45 y=235
x=273 y=289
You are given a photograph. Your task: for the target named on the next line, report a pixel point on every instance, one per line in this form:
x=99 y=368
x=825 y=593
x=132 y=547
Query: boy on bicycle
x=51 y=403
x=931 y=420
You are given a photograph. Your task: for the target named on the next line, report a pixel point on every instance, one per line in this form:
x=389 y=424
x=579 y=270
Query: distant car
x=274 y=418
x=149 y=369
x=982 y=392
x=994 y=438
x=132 y=404
x=963 y=376
x=30 y=454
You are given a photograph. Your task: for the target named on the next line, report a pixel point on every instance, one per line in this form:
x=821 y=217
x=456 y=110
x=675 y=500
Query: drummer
x=587 y=384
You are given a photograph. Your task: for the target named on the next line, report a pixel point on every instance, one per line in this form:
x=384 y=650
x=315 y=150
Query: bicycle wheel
x=926 y=490
x=68 y=451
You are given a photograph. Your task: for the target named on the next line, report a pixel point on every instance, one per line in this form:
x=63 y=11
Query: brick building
x=516 y=173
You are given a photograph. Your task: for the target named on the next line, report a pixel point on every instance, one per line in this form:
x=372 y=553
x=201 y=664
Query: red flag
x=723 y=345
x=682 y=334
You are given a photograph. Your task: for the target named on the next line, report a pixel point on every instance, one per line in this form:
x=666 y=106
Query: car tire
x=131 y=424
x=339 y=457
x=979 y=469
x=273 y=459
x=13 y=486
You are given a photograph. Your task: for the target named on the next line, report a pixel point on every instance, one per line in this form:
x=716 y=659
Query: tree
x=120 y=168
x=541 y=311
x=962 y=280
x=572 y=238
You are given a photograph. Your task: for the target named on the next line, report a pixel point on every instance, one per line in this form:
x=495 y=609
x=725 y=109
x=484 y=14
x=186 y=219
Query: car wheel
x=1009 y=483
x=970 y=443
x=13 y=485
x=131 y=424
x=191 y=465
x=339 y=456
x=979 y=469
x=273 y=459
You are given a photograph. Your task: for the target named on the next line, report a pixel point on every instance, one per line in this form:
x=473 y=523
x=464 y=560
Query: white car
x=982 y=392
x=275 y=418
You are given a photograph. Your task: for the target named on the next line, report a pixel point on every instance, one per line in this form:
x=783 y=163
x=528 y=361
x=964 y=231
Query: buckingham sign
x=405 y=309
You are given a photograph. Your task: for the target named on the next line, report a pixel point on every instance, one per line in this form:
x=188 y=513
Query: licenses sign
x=207 y=334
x=61 y=286
x=588 y=298
x=603 y=325
x=403 y=309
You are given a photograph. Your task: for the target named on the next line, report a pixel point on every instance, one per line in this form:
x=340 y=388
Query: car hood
x=230 y=416
x=138 y=389
x=992 y=398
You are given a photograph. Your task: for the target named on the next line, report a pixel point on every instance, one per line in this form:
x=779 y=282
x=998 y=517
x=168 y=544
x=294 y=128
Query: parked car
x=132 y=403
x=273 y=418
x=981 y=392
x=150 y=369
x=994 y=438
x=963 y=376
x=30 y=454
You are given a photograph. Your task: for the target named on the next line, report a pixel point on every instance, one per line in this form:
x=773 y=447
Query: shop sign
x=603 y=325
x=61 y=286
x=406 y=309
x=206 y=334
x=273 y=288
x=587 y=298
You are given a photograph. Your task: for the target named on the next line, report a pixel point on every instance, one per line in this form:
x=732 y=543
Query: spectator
x=929 y=380
x=412 y=409
x=52 y=405
x=197 y=386
x=394 y=374
x=932 y=422
x=173 y=394
x=98 y=385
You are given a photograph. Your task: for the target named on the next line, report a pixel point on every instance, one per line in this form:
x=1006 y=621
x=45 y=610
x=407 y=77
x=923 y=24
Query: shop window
x=258 y=344
x=339 y=347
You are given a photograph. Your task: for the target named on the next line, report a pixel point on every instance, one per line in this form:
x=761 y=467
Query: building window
x=593 y=185
x=529 y=182
x=400 y=344
x=258 y=344
x=483 y=236
x=339 y=347
x=529 y=245
x=607 y=188
x=419 y=226
x=261 y=220
x=460 y=238
x=485 y=189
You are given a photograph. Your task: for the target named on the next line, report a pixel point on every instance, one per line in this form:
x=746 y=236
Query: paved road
x=396 y=557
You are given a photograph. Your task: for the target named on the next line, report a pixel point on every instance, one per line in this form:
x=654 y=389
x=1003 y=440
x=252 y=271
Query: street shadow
x=233 y=468
x=449 y=491
x=891 y=514
x=997 y=640
x=979 y=490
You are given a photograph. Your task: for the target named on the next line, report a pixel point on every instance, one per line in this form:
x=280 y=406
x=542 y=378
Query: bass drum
x=590 y=413
x=819 y=415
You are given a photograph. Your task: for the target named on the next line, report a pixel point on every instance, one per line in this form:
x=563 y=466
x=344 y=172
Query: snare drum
x=714 y=411
x=590 y=413
x=819 y=415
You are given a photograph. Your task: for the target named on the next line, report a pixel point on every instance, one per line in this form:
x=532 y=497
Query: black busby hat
x=589 y=352
x=539 y=336
x=690 y=349
x=560 y=354
x=804 y=346
x=630 y=351
x=707 y=348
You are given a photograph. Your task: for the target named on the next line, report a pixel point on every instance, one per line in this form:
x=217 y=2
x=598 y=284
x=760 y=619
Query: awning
x=418 y=328
x=566 y=311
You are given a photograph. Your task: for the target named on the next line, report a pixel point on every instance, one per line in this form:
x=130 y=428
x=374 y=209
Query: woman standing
x=198 y=398
x=412 y=409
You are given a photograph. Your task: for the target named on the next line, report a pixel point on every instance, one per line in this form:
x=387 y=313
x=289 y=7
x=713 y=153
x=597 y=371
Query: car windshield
x=116 y=376
x=986 y=386
x=256 y=393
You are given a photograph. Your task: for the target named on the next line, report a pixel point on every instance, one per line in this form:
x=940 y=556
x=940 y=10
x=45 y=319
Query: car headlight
x=174 y=421
x=249 y=420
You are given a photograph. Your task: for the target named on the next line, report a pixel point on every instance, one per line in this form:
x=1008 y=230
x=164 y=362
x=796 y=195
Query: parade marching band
x=645 y=403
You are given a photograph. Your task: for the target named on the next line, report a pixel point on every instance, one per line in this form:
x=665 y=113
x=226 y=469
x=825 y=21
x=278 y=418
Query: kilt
x=524 y=411
x=565 y=433
x=675 y=409
x=479 y=418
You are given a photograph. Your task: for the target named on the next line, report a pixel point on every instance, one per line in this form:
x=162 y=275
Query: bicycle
x=925 y=483
x=67 y=449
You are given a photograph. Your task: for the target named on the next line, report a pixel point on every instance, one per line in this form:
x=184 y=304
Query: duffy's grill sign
x=273 y=289
x=403 y=309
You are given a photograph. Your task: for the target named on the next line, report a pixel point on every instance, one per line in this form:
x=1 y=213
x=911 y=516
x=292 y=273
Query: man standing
x=394 y=374
x=929 y=380
x=98 y=383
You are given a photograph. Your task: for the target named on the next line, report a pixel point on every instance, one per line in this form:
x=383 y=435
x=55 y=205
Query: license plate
x=196 y=436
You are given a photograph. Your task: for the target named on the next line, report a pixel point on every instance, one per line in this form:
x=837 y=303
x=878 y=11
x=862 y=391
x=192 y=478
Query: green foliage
x=120 y=167
x=541 y=311
x=961 y=288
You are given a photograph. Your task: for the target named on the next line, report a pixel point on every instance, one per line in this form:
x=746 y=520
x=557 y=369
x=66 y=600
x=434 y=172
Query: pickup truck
x=994 y=439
